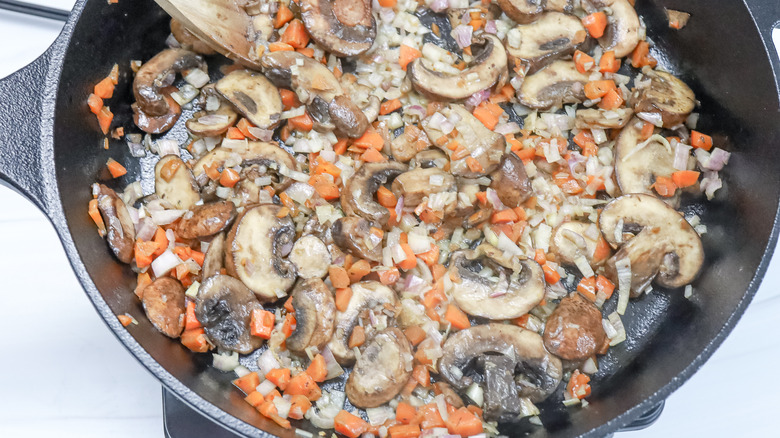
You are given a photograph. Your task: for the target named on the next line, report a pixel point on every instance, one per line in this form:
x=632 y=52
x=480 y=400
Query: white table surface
x=88 y=385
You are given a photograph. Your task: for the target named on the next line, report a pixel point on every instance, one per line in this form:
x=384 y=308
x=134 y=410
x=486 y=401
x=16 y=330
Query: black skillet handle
x=23 y=118
x=766 y=14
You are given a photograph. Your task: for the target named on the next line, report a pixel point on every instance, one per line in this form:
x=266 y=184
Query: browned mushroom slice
x=174 y=183
x=188 y=40
x=365 y=295
x=553 y=86
x=486 y=147
x=357 y=198
x=224 y=307
x=164 y=305
x=511 y=182
x=603 y=119
x=666 y=95
x=255 y=249
x=154 y=112
x=362 y=96
x=554 y=35
x=666 y=249
x=119 y=226
x=573 y=241
x=382 y=370
x=522 y=11
x=409 y=143
x=622 y=32
x=214 y=260
x=559 y=5
x=254 y=96
x=348 y=119
x=342 y=27
x=488 y=66
x=310 y=257
x=429 y=158
x=639 y=162
x=420 y=184
x=212 y=124
x=494 y=287
x=206 y=220
x=574 y=330
x=269 y=155
x=353 y=234
x=315 y=316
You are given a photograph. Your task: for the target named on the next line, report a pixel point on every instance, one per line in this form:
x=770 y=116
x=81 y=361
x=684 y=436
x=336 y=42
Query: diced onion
x=197 y=78
x=265 y=387
x=441 y=405
x=241 y=371
x=267 y=362
x=282 y=406
x=623 y=267
x=192 y=291
x=620 y=330
x=226 y=362
x=164 y=263
x=476 y=394
x=380 y=415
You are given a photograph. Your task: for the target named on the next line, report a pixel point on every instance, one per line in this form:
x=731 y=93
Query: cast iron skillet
x=51 y=151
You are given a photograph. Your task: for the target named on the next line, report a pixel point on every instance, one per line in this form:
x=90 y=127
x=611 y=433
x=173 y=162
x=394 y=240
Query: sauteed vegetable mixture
x=438 y=198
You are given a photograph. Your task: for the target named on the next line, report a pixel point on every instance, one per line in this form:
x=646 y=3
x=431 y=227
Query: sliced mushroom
x=666 y=95
x=409 y=143
x=559 y=5
x=553 y=36
x=365 y=295
x=348 y=120
x=163 y=302
x=188 y=40
x=353 y=234
x=430 y=158
x=268 y=155
x=666 y=249
x=510 y=181
x=362 y=95
x=224 y=307
x=206 y=220
x=212 y=124
x=553 y=86
x=639 y=162
x=174 y=183
x=485 y=146
x=572 y=240
x=256 y=246
x=153 y=111
x=315 y=316
x=214 y=260
x=490 y=64
x=537 y=373
x=342 y=27
x=310 y=257
x=603 y=119
x=419 y=184
x=489 y=285
x=119 y=225
x=501 y=399
x=254 y=96
x=382 y=370
x=522 y=11
x=574 y=330
x=357 y=198
x=622 y=32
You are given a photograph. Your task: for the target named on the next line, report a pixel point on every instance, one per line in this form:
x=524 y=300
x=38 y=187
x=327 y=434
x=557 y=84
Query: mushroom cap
x=666 y=95
x=202 y=126
x=605 y=119
x=622 y=32
x=342 y=27
x=224 y=307
x=574 y=330
x=179 y=188
x=214 y=260
x=163 y=302
x=315 y=315
x=365 y=295
x=120 y=231
x=415 y=185
x=667 y=245
x=518 y=288
x=552 y=36
x=353 y=234
x=522 y=11
x=310 y=256
x=489 y=64
x=256 y=152
x=255 y=247
x=254 y=96
x=524 y=346
x=382 y=370
x=510 y=181
x=357 y=198
x=206 y=220
x=554 y=85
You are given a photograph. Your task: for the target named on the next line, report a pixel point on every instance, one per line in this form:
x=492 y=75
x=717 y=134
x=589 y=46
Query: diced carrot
x=372 y=156
x=464 y=423
x=421 y=374
x=567 y=183
x=115 y=168
x=303 y=384
x=288 y=305
x=595 y=23
x=267 y=408
x=431 y=256
x=640 y=57
x=685 y=178
x=95 y=103
x=358 y=337
x=405 y=413
x=94 y=213
x=602 y=251
x=283 y=15
x=473 y=164
x=243 y=125
x=604 y=285
x=526 y=154
x=389 y=106
x=596 y=89
x=389 y=276
x=317 y=369
x=309 y=51
x=325 y=187
x=664 y=186
x=255 y=399
x=338 y=277
x=104 y=89
x=647 y=130
x=699 y=140
x=407 y=55
x=143 y=280
x=358 y=270
x=279 y=377
x=348 y=424
x=169 y=169
x=404 y=431
x=229 y=177
x=540 y=257
x=578 y=386
x=411 y=260
x=125 y=319
x=289 y=99
x=343 y=295
x=551 y=276
x=272 y=395
x=370 y=140
x=488 y=113
x=280 y=47
x=429 y=417
x=612 y=100
x=340 y=147
x=295 y=34
x=587 y=287
x=190 y=320
x=503 y=216
x=608 y=63
x=456 y=317
x=386 y=198
x=583 y=62
x=302 y=123
x=105 y=117
x=212 y=171
x=289 y=325
x=234 y=133
x=415 y=334
x=299 y=405
x=248 y=383
x=195 y=340
x=261 y=323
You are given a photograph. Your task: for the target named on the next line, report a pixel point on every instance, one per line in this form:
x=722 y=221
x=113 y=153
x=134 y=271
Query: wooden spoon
x=222 y=24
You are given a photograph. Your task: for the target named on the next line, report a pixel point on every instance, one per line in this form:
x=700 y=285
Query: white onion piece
x=718 y=159
x=333 y=367
x=681 y=154
x=300 y=192
x=507 y=128
x=164 y=263
x=241 y=370
x=265 y=387
x=505 y=244
x=623 y=267
x=655 y=119
x=282 y=406
x=267 y=362
x=379 y=415
x=226 y=362
x=165 y=217
x=167 y=147
x=441 y=405
x=261 y=134
x=620 y=330
x=476 y=394
x=213 y=119
x=439 y=5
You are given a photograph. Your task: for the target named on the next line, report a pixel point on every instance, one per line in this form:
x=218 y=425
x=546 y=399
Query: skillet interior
x=668 y=336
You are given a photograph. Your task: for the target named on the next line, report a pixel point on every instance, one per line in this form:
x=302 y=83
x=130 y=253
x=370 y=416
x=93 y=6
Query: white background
x=63 y=374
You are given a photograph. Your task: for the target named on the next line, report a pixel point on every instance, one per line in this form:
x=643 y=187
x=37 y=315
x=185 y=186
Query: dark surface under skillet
x=719 y=54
